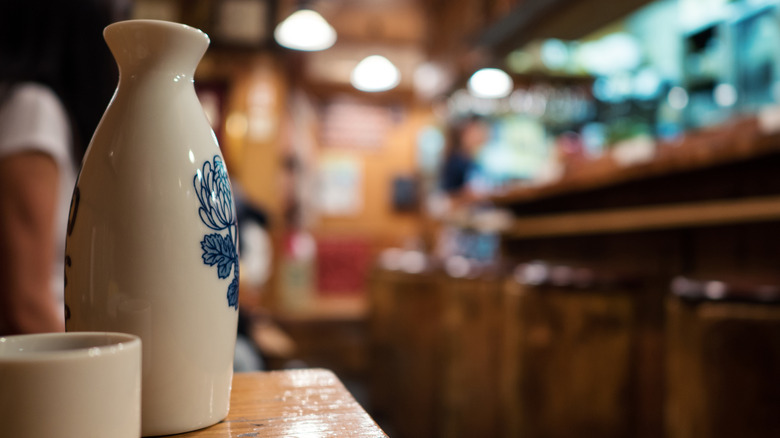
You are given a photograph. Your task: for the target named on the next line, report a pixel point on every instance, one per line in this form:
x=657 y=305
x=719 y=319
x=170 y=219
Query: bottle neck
x=136 y=78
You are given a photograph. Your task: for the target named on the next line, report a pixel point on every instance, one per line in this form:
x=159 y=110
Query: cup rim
x=105 y=344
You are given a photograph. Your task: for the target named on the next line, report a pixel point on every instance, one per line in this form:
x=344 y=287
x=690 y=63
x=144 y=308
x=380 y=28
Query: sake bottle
x=152 y=245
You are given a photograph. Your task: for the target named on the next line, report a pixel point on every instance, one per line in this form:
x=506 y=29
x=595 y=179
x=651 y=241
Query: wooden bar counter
x=310 y=402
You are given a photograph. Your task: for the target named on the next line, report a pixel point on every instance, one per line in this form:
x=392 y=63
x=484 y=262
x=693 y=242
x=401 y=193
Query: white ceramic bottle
x=152 y=245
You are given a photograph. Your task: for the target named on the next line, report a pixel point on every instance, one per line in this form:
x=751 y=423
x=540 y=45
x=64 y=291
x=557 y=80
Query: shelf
x=699 y=214
x=737 y=141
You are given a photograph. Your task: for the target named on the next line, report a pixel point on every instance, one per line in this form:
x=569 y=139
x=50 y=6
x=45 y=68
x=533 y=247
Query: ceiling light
x=375 y=73
x=725 y=95
x=555 y=54
x=305 y=30
x=490 y=83
x=677 y=98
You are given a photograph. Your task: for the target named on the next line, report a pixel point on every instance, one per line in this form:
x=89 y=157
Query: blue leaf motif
x=232 y=293
x=219 y=250
x=211 y=246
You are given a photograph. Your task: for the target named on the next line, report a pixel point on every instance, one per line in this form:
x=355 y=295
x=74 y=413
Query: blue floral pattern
x=217 y=212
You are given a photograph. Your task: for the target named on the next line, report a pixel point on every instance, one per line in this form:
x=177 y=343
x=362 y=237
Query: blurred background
x=537 y=218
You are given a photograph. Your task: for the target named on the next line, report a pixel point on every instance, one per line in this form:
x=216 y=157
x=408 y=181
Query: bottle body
x=147 y=247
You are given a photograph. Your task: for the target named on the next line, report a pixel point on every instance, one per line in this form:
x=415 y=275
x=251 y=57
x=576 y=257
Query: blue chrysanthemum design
x=217 y=212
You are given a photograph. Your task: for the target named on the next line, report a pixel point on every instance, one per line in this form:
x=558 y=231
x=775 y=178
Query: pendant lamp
x=305 y=30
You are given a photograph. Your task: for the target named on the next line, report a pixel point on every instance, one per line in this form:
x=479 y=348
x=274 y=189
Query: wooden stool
x=567 y=361
x=407 y=329
x=723 y=361
x=471 y=357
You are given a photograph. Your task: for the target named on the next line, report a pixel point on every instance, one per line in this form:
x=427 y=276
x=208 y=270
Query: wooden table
x=295 y=403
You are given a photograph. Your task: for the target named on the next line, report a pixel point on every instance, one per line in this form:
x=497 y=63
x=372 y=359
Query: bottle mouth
x=161 y=24
x=156 y=45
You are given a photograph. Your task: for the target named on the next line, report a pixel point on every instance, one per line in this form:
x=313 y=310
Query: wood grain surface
x=706 y=213
x=294 y=403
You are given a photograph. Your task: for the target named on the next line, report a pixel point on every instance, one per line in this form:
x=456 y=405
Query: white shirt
x=32 y=118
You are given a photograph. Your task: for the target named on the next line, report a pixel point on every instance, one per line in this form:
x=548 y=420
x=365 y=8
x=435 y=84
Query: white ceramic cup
x=64 y=385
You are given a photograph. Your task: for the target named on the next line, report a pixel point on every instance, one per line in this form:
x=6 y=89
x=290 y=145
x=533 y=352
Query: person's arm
x=28 y=199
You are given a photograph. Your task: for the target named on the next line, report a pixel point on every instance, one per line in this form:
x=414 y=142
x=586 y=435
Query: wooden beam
x=700 y=214
x=516 y=27
x=564 y=19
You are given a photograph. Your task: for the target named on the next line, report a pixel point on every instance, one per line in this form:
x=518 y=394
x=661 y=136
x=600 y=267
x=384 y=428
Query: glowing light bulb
x=490 y=83
x=375 y=73
x=305 y=30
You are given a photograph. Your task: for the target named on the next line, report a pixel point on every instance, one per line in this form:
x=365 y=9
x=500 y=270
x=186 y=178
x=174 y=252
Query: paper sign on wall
x=340 y=186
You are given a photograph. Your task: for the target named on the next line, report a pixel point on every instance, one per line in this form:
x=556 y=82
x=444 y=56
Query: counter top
x=308 y=402
x=723 y=175
x=738 y=140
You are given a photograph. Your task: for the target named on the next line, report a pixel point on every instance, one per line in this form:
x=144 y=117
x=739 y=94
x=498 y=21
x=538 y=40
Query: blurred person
x=465 y=139
x=255 y=260
x=56 y=79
